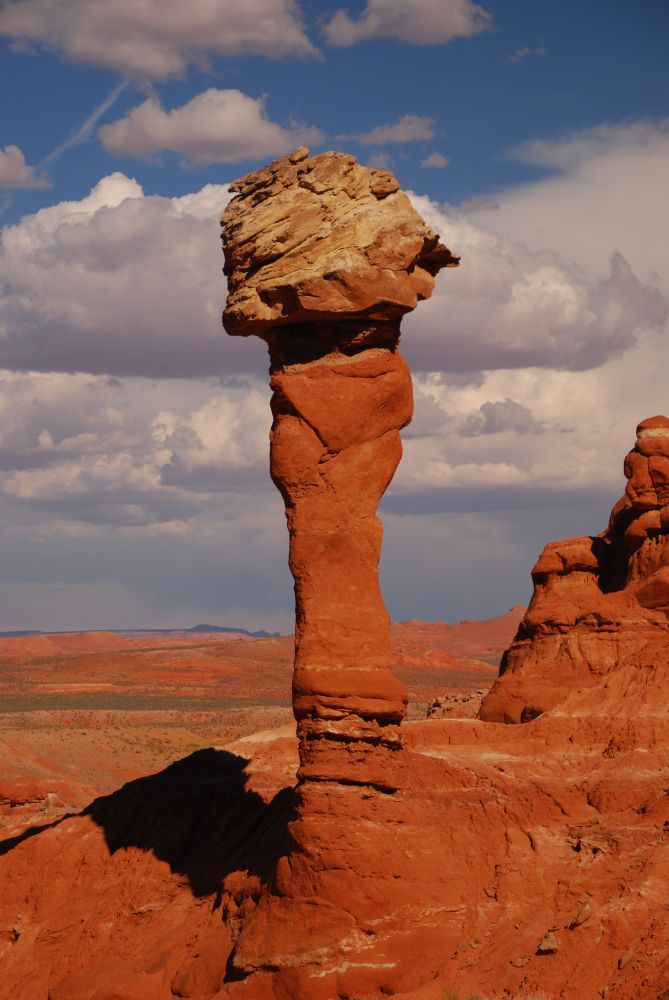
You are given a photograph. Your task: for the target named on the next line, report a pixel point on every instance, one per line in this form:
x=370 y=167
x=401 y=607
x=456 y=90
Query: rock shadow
x=197 y=815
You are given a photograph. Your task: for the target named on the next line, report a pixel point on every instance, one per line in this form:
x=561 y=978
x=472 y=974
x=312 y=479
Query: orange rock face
x=495 y=862
x=596 y=600
x=449 y=856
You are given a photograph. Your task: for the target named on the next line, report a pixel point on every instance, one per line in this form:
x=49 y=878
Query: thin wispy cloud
x=408 y=128
x=85 y=130
x=435 y=161
x=526 y=52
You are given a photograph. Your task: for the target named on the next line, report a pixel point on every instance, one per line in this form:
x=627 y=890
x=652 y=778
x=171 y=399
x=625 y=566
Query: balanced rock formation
x=597 y=600
x=323 y=258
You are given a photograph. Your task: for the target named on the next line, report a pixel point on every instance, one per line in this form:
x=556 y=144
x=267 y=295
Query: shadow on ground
x=197 y=815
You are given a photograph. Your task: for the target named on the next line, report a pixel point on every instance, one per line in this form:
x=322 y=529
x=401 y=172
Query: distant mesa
x=227 y=629
x=597 y=600
x=259 y=634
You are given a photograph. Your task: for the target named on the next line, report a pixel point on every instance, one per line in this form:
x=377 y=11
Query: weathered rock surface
x=322 y=239
x=597 y=600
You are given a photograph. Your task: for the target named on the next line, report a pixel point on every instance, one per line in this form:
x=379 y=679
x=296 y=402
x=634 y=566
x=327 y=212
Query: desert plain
x=83 y=713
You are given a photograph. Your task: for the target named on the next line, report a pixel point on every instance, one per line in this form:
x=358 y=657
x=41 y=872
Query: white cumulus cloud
x=16 y=173
x=217 y=126
x=103 y=450
x=119 y=283
x=155 y=39
x=607 y=192
x=509 y=307
x=575 y=148
x=419 y=22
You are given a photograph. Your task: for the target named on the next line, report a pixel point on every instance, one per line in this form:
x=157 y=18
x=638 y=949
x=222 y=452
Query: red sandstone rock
x=323 y=257
x=506 y=834
x=596 y=600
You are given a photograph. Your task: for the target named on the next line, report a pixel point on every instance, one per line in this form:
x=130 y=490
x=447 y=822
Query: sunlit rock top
x=324 y=239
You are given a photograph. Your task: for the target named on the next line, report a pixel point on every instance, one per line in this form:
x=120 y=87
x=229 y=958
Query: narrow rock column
x=323 y=257
x=335 y=447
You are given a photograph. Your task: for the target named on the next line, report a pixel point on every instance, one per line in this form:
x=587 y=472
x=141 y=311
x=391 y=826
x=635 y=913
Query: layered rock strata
x=596 y=600
x=323 y=258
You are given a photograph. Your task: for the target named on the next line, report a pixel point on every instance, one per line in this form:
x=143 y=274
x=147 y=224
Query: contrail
x=84 y=131
x=75 y=138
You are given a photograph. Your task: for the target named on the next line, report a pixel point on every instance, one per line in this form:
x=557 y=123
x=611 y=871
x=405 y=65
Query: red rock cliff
x=596 y=600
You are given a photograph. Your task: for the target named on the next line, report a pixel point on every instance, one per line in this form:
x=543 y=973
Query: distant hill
x=260 y=634
x=197 y=629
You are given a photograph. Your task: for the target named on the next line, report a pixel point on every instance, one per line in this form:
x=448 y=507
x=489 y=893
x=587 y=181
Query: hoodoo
x=596 y=600
x=323 y=258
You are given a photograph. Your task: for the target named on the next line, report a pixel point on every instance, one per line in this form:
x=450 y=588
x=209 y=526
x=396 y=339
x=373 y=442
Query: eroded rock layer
x=597 y=600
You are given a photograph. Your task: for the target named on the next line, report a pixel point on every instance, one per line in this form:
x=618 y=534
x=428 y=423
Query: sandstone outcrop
x=323 y=258
x=510 y=833
x=597 y=600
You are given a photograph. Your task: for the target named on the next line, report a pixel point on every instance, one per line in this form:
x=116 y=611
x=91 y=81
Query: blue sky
x=534 y=136
x=541 y=69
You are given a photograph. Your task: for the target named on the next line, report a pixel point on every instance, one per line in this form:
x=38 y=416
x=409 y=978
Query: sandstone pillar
x=323 y=257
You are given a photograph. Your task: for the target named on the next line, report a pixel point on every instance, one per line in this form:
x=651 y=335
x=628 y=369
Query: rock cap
x=652 y=436
x=324 y=239
x=653 y=427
